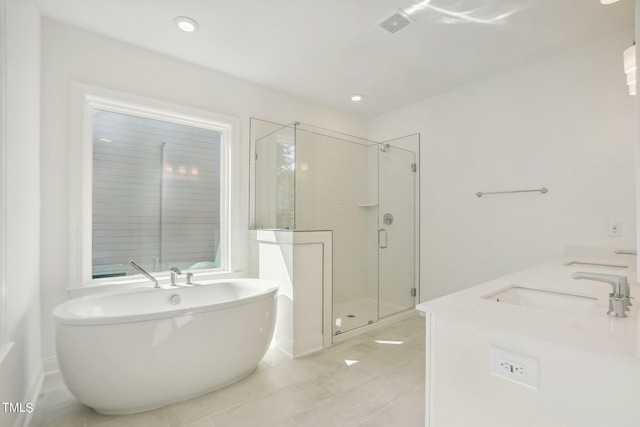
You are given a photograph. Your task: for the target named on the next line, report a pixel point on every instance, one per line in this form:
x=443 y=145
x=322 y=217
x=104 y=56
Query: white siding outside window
x=156 y=195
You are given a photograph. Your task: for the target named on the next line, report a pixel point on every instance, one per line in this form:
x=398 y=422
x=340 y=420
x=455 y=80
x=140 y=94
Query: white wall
x=70 y=54
x=21 y=369
x=566 y=123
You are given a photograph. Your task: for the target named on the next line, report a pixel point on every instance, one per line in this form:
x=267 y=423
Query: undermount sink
x=560 y=302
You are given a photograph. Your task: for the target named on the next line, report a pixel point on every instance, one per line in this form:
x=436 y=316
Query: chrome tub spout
x=141 y=270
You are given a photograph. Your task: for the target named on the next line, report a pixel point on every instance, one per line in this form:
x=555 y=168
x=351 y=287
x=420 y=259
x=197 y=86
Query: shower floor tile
x=353 y=314
x=373 y=379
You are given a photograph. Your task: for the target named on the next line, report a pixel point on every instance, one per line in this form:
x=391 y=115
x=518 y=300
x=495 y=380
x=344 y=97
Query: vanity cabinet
x=574 y=388
x=497 y=363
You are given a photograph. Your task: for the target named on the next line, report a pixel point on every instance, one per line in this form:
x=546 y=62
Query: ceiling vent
x=396 y=22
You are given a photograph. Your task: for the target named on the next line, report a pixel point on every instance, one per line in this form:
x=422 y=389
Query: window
x=156 y=190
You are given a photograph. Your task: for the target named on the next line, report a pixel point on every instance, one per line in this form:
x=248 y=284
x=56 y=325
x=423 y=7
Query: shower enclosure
x=306 y=178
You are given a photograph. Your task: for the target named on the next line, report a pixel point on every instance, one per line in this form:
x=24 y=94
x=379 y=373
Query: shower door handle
x=382 y=233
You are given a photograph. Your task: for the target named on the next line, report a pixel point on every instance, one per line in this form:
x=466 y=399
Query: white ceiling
x=326 y=50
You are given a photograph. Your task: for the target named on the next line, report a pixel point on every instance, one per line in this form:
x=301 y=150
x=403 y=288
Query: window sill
x=141 y=282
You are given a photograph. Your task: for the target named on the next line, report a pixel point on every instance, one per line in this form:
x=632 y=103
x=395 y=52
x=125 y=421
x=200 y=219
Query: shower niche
x=364 y=193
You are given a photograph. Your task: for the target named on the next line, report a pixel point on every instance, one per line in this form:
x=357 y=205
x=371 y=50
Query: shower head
x=384 y=148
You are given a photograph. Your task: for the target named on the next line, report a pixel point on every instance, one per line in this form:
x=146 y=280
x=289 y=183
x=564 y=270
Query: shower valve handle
x=382 y=233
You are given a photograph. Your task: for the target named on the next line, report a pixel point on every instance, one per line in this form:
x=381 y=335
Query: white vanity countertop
x=592 y=330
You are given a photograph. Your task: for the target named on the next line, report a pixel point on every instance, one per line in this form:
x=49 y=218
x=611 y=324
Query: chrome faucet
x=619 y=299
x=174 y=275
x=141 y=270
x=626 y=252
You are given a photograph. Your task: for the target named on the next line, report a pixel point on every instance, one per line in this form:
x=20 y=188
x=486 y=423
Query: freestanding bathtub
x=129 y=351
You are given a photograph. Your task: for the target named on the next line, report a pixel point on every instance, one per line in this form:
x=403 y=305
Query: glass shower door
x=308 y=178
x=396 y=234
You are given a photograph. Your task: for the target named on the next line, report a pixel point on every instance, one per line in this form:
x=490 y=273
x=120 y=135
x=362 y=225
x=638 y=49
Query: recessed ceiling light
x=608 y=1
x=357 y=97
x=186 y=24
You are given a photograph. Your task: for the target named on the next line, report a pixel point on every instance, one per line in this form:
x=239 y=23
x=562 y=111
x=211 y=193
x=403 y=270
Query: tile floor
x=374 y=379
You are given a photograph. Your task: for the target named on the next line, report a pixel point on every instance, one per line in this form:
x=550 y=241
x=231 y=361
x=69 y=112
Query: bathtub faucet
x=141 y=270
x=174 y=275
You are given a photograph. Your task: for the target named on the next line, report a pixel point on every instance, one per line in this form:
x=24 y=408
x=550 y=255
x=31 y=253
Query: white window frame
x=5 y=345
x=87 y=98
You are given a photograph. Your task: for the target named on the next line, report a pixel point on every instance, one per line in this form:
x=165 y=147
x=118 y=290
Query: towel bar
x=541 y=190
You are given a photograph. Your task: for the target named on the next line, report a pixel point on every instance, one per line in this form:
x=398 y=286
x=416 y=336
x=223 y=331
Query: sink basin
x=560 y=302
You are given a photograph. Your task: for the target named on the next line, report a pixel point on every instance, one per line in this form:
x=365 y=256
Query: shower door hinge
x=413 y=167
x=413 y=292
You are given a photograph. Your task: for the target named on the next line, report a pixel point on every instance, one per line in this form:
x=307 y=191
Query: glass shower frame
x=307 y=178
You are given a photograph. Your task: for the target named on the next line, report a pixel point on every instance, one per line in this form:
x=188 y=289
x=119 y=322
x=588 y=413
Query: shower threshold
x=353 y=326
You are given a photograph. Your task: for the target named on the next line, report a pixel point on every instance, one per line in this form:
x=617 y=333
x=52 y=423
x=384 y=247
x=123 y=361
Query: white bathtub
x=130 y=351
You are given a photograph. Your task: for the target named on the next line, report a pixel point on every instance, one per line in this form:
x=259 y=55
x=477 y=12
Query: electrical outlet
x=511 y=368
x=516 y=367
x=614 y=228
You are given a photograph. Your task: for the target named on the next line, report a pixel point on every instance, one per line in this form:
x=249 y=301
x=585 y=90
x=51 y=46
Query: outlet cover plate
x=515 y=367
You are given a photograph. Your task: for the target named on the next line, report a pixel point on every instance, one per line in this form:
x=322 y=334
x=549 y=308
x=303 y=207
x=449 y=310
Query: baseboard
x=50 y=365
x=52 y=381
x=24 y=419
x=299 y=348
x=5 y=349
x=283 y=344
x=308 y=346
